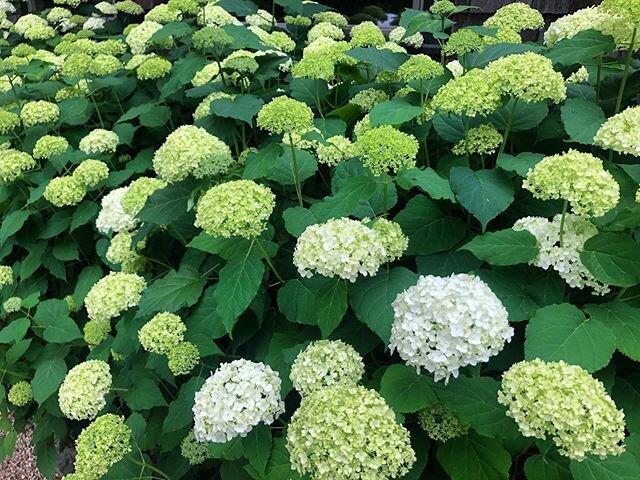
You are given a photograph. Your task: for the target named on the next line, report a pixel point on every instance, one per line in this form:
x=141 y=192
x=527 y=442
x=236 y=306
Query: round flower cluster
x=565 y=403
x=463 y=41
x=99 y=446
x=483 y=140
x=211 y=38
x=106 y=8
x=325 y=363
x=104 y=64
x=579 y=76
x=529 y=77
x=163 y=14
x=329 y=16
x=394 y=240
x=445 y=323
x=114 y=294
x=385 y=148
x=182 y=358
x=240 y=61
x=112 y=216
x=99 y=141
x=444 y=8
x=516 y=16
x=565 y=258
x=190 y=7
x=64 y=191
x=621 y=133
x=440 y=423
x=579 y=178
x=261 y=19
x=137 y=193
x=153 y=68
x=33 y=27
x=284 y=115
x=474 y=93
x=90 y=173
x=161 y=333
x=215 y=15
x=13 y=163
x=420 y=67
x=348 y=432
x=49 y=146
x=627 y=11
x=234 y=399
x=129 y=7
x=240 y=208
x=77 y=65
x=324 y=30
x=336 y=150
x=96 y=331
x=339 y=247
x=8 y=121
x=57 y=14
x=415 y=41
x=191 y=150
x=503 y=35
x=206 y=74
x=39 y=112
x=369 y=98
x=366 y=34
x=6 y=276
x=20 y=394
x=298 y=21
x=121 y=252
x=193 y=451
x=139 y=36
x=81 y=395
x=12 y=304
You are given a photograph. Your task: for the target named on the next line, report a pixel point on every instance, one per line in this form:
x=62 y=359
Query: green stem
x=507 y=130
x=598 y=78
x=269 y=262
x=465 y=122
x=625 y=75
x=385 y=192
x=296 y=179
x=116 y=389
x=150 y=467
x=621 y=293
x=95 y=104
x=564 y=214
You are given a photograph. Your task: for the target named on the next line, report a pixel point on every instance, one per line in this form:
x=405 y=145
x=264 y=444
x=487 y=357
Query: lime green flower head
x=193 y=451
x=241 y=61
x=91 y=172
x=463 y=41
x=190 y=7
x=336 y=150
x=579 y=178
x=39 y=112
x=280 y=41
x=440 y=423
x=284 y=115
x=102 y=444
x=77 y=64
x=23 y=50
x=8 y=121
x=333 y=18
x=396 y=36
x=129 y=7
x=297 y=21
x=420 y=67
x=6 y=276
x=64 y=191
x=474 y=93
x=621 y=133
x=153 y=68
x=20 y=394
x=96 y=331
x=114 y=294
x=212 y=38
x=191 y=150
x=33 y=27
x=81 y=89
x=99 y=141
x=56 y=14
x=104 y=64
x=49 y=146
x=483 y=139
x=163 y=332
x=206 y=74
x=503 y=35
x=385 y=148
x=369 y=98
x=529 y=77
x=139 y=37
x=325 y=30
x=122 y=252
x=163 y=14
x=366 y=34
x=565 y=403
x=13 y=163
x=240 y=208
x=626 y=10
x=444 y=8
x=81 y=395
x=393 y=238
x=319 y=66
x=516 y=16
x=138 y=192
x=182 y=358
x=348 y=432
x=12 y=304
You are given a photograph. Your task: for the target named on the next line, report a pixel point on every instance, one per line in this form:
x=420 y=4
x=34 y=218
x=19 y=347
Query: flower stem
x=296 y=179
x=385 y=192
x=625 y=75
x=268 y=260
x=598 y=78
x=564 y=214
x=507 y=130
x=150 y=467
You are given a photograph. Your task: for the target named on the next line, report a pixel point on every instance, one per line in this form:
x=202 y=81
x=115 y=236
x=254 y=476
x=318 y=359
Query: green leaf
x=167 y=204
x=620 y=467
x=180 y=412
x=138 y=426
x=394 y=112
x=12 y=223
x=475 y=403
x=75 y=111
x=371 y=298
x=626 y=393
x=428 y=181
x=493 y=52
x=260 y=163
x=309 y=90
x=623 y=320
x=241 y=107
x=143 y=395
x=582 y=119
x=15 y=331
x=521 y=163
x=297 y=219
x=84 y=213
x=227 y=248
x=48 y=377
x=474 y=457
x=385 y=59
x=171 y=29
x=525 y=116
x=204 y=320
x=177 y=289
x=239 y=7
x=46 y=459
x=484 y=193
x=282 y=171
x=504 y=247
x=561 y=332
x=450 y=127
x=613 y=259
x=330 y=305
x=581 y=49
x=296 y=302
x=238 y=283
x=58 y=326
x=352 y=191
x=156 y=116
x=405 y=390
x=539 y=467
x=429 y=227
x=257 y=448
x=291 y=6
x=444 y=264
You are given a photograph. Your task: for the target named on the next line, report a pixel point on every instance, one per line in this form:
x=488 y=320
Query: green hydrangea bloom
x=627 y=10
x=297 y=21
x=6 y=276
x=366 y=34
x=579 y=178
x=336 y=150
x=20 y=394
x=104 y=64
x=12 y=304
x=163 y=332
x=483 y=139
x=394 y=240
x=163 y=14
x=319 y=66
x=440 y=423
x=77 y=65
x=96 y=331
x=129 y=7
x=369 y=98
x=385 y=148
x=138 y=192
x=284 y=115
x=153 y=68
x=121 y=252
x=185 y=6
x=39 y=112
x=99 y=141
x=463 y=41
x=329 y=16
x=71 y=303
x=81 y=89
x=139 y=37
x=206 y=74
x=240 y=208
x=474 y=93
x=81 y=395
x=517 y=17
x=325 y=30
x=23 y=50
x=503 y=35
x=621 y=133
x=8 y=121
x=91 y=172
x=113 y=294
x=13 y=163
x=182 y=358
x=49 y=146
x=212 y=38
x=348 y=432
x=240 y=61
x=420 y=67
x=64 y=191
x=444 y=8
x=195 y=452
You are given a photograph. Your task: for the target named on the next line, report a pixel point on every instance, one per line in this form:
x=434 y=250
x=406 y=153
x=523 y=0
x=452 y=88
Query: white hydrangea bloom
x=112 y=218
x=94 y=23
x=106 y=8
x=455 y=67
x=339 y=247
x=445 y=323
x=237 y=397
x=566 y=259
x=416 y=40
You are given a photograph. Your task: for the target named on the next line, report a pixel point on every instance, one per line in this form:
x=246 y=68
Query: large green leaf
x=174 y=291
x=75 y=111
x=626 y=393
x=143 y=395
x=405 y=390
x=15 y=331
x=282 y=170
x=257 y=448
x=168 y=204
x=353 y=191
x=624 y=321
x=180 y=412
x=504 y=247
x=582 y=119
x=561 y=332
x=48 y=377
x=620 y=467
x=385 y=59
x=524 y=117
x=394 y=112
x=330 y=305
x=309 y=90
x=241 y=107
x=53 y=316
x=428 y=181
x=474 y=457
x=539 y=467
x=613 y=259
x=296 y=302
x=521 y=163
x=581 y=49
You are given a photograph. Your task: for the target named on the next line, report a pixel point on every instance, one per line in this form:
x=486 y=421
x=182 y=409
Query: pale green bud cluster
x=12 y=304
x=212 y=37
x=215 y=15
x=56 y=14
x=81 y=395
x=96 y=331
x=20 y=394
x=621 y=133
x=64 y=191
x=8 y=121
x=503 y=35
x=153 y=68
x=240 y=61
x=369 y=98
x=114 y=294
x=39 y=112
x=366 y=34
x=579 y=178
x=13 y=163
x=420 y=67
x=348 y=432
x=385 y=148
x=121 y=252
x=185 y=6
x=444 y=8
x=129 y=7
x=625 y=10
x=138 y=192
x=33 y=27
x=336 y=150
x=278 y=40
x=49 y=146
x=325 y=30
x=163 y=14
x=463 y=41
x=183 y=358
x=91 y=172
x=329 y=16
x=579 y=76
x=394 y=240
x=483 y=140
x=99 y=141
x=440 y=423
x=104 y=64
x=261 y=19
x=474 y=93
x=77 y=64
x=565 y=403
x=297 y=21
x=191 y=150
x=284 y=115
x=516 y=16
x=193 y=451
x=240 y=208
x=163 y=332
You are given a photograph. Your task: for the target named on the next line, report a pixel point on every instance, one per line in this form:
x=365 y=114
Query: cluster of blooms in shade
x=483 y=140
x=12 y=304
x=576 y=177
x=440 y=423
x=420 y=67
x=348 y=432
x=444 y=8
x=81 y=395
x=99 y=141
x=240 y=208
x=335 y=150
x=565 y=403
x=397 y=35
x=325 y=363
x=114 y=294
x=621 y=133
x=71 y=189
x=194 y=451
x=284 y=115
x=385 y=148
x=395 y=242
x=445 y=323
x=102 y=444
x=183 y=358
x=39 y=112
x=472 y=94
x=579 y=76
x=20 y=394
x=137 y=193
x=191 y=150
x=122 y=252
x=463 y=41
x=237 y=397
x=565 y=258
x=369 y=98
x=140 y=35
x=6 y=275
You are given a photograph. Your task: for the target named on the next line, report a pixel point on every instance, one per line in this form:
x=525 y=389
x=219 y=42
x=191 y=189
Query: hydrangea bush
x=258 y=243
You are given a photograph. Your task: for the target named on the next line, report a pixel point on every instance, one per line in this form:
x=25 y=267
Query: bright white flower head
x=94 y=23
x=445 y=323
x=112 y=217
x=237 y=397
